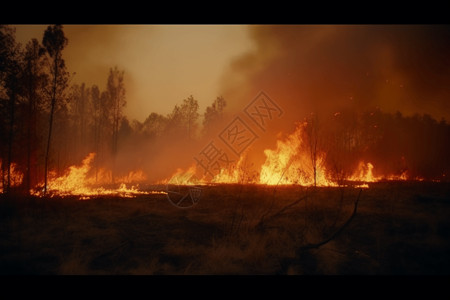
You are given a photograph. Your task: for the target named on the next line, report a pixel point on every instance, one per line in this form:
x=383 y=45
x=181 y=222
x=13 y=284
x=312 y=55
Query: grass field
x=398 y=228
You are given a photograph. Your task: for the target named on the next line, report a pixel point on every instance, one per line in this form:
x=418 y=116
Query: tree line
x=417 y=146
x=48 y=124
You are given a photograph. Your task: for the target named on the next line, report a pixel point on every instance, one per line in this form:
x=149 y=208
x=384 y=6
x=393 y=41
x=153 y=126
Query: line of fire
x=324 y=151
x=63 y=138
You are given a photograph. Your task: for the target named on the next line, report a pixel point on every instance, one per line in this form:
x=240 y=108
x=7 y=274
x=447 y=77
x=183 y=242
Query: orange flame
x=181 y=177
x=290 y=163
x=76 y=182
x=133 y=176
x=16 y=176
x=364 y=173
x=235 y=173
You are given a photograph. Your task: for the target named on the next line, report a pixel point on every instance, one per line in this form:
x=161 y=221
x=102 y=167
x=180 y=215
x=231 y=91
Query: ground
x=400 y=228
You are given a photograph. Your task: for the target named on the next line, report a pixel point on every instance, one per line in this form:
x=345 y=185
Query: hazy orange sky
x=303 y=67
x=163 y=64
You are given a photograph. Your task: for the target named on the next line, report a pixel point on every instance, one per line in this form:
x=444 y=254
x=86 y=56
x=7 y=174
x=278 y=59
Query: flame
x=403 y=176
x=16 y=176
x=133 y=176
x=101 y=176
x=234 y=173
x=76 y=182
x=290 y=163
x=362 y=186
x=364 y=173
x=181 y=177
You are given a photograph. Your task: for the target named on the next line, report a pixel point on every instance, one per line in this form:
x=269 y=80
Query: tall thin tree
x=312 y=132
x=34 y=78
x=54 y=41
x=10 y=74
x=116 y=92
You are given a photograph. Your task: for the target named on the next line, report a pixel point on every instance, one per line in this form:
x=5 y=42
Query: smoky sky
x=324 y=68
x=163 y=64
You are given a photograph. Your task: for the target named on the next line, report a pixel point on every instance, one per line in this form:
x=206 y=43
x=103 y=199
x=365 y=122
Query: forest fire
x=77 y=182
x=16 y=177
x=289 y=163
x=364 y=173
x=228 y=150
x=345 y=133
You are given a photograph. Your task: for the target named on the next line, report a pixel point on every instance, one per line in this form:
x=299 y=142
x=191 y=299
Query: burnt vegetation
x=48 y=124
x=393 y=228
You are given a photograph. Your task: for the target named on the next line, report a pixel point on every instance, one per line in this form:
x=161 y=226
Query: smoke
x=325 y=68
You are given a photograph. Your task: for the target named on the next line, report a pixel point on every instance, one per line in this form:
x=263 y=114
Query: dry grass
x=400 y=228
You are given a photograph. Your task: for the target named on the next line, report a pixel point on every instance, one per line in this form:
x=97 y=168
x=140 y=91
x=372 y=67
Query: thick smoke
x=326 y=68
x=342 y=70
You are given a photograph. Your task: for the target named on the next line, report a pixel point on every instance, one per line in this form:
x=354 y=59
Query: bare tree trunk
x=314 y=160
x=312 y=132
x=31 y=126
x=10 y=144
x=3 y=176
x=115 y=137
x=337 y=232
x=28 y=175
x=47 y=152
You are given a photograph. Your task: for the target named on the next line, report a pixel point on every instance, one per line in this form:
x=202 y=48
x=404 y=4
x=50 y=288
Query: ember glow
x=181 y=177
x=288 y=163
x=224 y=149
x=16 y=177
x=234 y=174
x=76 y=182
x=364 y=173
x=345 y=107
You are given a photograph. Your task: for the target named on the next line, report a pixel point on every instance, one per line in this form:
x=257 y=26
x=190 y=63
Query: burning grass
x=78 y=182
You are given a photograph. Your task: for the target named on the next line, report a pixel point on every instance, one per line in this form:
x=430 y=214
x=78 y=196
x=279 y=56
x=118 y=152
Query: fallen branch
x=337 y=232
x=282 y=210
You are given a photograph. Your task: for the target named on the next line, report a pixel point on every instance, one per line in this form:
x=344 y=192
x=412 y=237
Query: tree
x=54 y=42
x=154 y=125
x=79 y=113
x=213 y=113
x=175 y=122
x=312 y=133
x=34 y=79
x=10 y=76
x=189 y=109
x=182 y=121
x=100 y=107
x=96 y=113
x=116 y=93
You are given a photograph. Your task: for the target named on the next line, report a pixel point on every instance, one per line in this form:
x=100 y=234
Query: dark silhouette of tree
x=116 y=93
x=97 y=127
x=34 y=80
x=54 y=42
x=80 y=117
x=10 y=77
x=182 y=121
x=175 y=123
x=213 y=114
x=312 y=138
x=154 y=125
x=189 y=111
